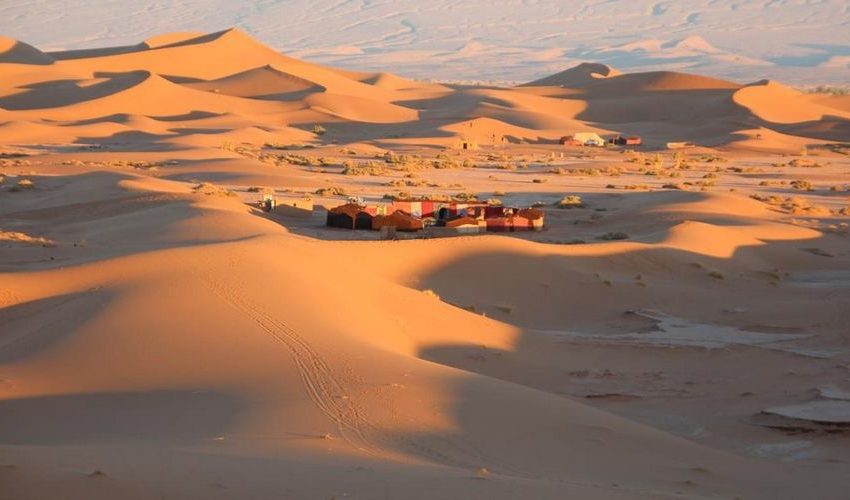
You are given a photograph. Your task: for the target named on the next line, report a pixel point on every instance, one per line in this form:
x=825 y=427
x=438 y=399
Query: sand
x=161 y=337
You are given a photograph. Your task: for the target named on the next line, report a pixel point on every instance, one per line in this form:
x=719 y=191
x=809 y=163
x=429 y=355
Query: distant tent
x=498 y=224
x=528 y=219
x=588 y=139
x=627 y=141
x=400 y=220
x=349 y=216
x=363 y=220
x=464 y=225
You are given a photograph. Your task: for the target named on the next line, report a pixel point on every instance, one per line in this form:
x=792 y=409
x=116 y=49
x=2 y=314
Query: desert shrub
x=210 y=189
x=465 y=196
x=22 y=185
x=613 y=236
x=633 y=156
x=445 y=164
x=678 y=160
x=539 y=181
x=319 y=130
x=658 y=161
x=436 y=197
x=829 y=90
x=296 y=160
x=770 y=200
x=284 y=147
x=838 y=147
x=570 y=201
x=802 y=185
x=804 y=163
x=368 y=168
x=799 y=206
x=404 y=183
x=331 y=191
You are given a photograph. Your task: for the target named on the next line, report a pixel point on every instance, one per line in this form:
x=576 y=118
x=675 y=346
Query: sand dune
x=762 y=99
x=360 y=109
x=265 y=82
x=580 y=76
x=734 y=39
x=15 y=52
x=230 y=73
x=160 y=336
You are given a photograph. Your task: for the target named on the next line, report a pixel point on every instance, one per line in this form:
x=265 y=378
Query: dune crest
x=577 y=76
x=778 y=103
x=15 y=52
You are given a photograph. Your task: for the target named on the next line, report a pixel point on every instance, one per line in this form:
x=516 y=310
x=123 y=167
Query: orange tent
x=399 y=219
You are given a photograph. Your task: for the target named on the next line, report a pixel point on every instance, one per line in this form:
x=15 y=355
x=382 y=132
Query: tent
x=528 y=218
x=464 y=225
x=400 y=220
x=349 y=216
x=583 y=139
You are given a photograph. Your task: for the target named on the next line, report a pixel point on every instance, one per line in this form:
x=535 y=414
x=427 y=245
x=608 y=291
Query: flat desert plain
x=679 y=329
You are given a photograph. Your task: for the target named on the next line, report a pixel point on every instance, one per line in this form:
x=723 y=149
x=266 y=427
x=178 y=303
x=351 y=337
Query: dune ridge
x=230 y=72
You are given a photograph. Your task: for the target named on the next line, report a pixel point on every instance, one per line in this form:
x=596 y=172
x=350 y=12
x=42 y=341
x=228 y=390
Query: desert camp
x=424 y=250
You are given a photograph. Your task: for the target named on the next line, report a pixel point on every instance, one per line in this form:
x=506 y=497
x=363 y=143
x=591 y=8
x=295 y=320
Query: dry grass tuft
x=570 y=201
x=211 y=189
x=612 y=236
x=22 y=185
x=331 y=191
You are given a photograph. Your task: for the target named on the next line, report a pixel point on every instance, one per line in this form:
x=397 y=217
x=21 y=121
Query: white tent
x=588 y=139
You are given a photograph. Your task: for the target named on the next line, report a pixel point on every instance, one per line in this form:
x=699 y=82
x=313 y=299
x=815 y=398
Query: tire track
x=319 y=381
x=329 y=395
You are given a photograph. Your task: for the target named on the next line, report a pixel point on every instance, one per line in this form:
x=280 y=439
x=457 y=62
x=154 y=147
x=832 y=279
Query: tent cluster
x=594 y=139
x=413 y=215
